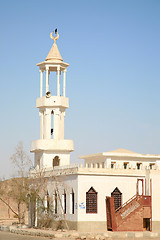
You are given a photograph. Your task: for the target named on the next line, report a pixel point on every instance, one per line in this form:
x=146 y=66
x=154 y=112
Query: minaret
x=52 y=149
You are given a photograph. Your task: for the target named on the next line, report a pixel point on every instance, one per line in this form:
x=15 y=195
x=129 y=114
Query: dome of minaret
x=54 y=54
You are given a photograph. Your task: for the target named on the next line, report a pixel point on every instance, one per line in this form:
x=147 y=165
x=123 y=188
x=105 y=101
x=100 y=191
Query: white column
x=58 y=81
x=86 y=165
x=62 y=203
x=108 y=162
x=41 y=124
x=71 y=203
x=54 y=199
x=45 y=203
x=47 y=79
x=61 y=125
x=36 y=219
x=41 y=83
x=92 y=165
x=64 y=82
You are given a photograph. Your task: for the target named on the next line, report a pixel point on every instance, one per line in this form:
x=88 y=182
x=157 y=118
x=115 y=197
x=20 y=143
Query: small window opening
x=56 y=161
x=113 y=164
x=56 y=202
x=151 y=165
x=52 y=124
x=138 y=166
x=48 y=202
x=125 y=165
x=65 y=203
x=147 y=224
x=72 y=202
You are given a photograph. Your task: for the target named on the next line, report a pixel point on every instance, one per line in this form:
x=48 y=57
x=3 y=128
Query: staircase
x=130 y=216
x=133 y=215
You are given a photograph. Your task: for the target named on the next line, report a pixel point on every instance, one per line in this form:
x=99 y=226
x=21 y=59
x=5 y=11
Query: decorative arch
x=91 y=201
x=117 y=195
x=56 y=161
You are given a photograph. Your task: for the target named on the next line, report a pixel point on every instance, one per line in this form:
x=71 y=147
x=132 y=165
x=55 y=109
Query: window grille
x=91 y=201
x=117 y=195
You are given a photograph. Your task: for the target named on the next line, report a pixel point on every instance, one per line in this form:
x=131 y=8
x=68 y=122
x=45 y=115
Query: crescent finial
x=54 y=38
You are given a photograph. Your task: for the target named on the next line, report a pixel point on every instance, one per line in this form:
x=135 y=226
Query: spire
x=54 y=54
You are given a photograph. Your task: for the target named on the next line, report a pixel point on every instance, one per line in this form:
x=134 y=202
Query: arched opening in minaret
x=56 y=161
x=56 y=89
x=61 y=83
x=52 y=124
x=44 y=84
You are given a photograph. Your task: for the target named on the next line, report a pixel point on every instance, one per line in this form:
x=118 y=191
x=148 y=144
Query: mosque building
x=116 y=190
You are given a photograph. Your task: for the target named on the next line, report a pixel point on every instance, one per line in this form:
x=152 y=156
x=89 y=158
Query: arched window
x=72 y=202
x=56 y=161
x=91 y=201
x=48 y=202
x=117 y=195
x=56 y=202
x=52 y=124
x=64 y=202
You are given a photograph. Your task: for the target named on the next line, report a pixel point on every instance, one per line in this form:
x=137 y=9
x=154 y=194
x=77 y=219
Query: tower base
x=51 y=153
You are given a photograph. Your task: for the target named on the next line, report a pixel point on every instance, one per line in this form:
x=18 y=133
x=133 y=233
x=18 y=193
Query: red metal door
x=110 y=211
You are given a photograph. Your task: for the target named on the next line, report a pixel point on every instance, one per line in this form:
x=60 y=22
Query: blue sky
x=113 y=81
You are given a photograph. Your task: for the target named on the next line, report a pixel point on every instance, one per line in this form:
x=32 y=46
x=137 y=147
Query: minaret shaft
x=52 y=112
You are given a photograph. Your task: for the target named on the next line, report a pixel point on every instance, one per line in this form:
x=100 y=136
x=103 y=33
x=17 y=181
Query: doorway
x=147 y=224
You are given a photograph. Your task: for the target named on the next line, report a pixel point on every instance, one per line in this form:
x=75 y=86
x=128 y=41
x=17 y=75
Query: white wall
x=104 y=185
x=67 y=183
x=155 y=175
x=120 y=161
x=46 y=159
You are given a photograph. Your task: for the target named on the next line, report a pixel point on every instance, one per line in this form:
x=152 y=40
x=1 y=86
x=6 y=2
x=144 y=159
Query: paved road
x=13 y=236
